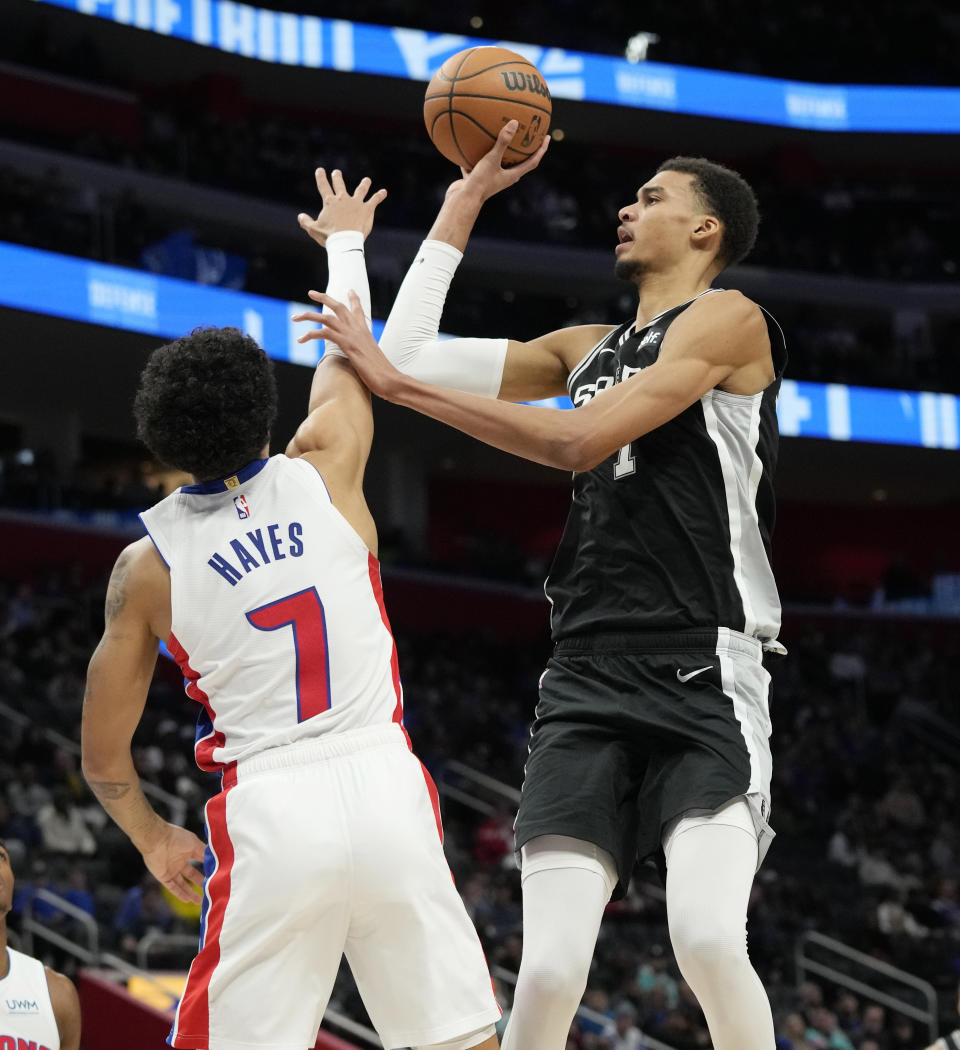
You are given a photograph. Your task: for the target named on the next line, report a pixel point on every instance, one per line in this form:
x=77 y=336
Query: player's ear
x=709 y=227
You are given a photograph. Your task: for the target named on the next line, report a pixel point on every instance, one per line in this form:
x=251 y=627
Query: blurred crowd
x=866 y=743
x=812 y=219
x=828 y=343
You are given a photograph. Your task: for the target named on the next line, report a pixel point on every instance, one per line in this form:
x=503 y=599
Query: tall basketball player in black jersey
x=651 y=732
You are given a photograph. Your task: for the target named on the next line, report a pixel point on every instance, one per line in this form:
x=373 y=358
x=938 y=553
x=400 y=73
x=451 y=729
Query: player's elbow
x=580 y=451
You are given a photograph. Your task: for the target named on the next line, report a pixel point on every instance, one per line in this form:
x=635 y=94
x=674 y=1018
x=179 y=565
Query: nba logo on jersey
x=243 y=510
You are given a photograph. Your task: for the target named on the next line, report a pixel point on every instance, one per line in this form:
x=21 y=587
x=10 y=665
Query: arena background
x=126 y=147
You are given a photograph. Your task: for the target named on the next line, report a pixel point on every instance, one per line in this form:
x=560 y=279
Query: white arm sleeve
x=347 y=269
x=409 y=338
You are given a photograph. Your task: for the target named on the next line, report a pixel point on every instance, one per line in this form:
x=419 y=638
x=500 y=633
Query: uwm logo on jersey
x=22 y=1006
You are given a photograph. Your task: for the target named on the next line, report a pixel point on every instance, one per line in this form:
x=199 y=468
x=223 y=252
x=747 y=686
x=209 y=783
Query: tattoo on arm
x=117 y=588
x=109 y=789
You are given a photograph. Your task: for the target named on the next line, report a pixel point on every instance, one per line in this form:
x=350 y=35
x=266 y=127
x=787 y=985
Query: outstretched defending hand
x=168 y=860
x=341 y=210
x=489 y=176
x=346 y=326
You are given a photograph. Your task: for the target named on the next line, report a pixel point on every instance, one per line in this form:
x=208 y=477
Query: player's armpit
x=66 y=1008
x=339 y=425
x=540 y=367
x=335 y=439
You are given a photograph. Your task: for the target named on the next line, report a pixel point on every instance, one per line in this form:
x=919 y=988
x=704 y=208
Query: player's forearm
x=457 y=217
x=549 y=436
x=117 y=788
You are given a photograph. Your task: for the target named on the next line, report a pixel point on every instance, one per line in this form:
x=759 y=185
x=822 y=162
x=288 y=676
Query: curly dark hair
x=728 y=196
x=206 y=402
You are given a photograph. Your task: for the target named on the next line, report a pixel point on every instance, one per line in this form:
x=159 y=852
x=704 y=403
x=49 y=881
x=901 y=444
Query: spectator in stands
x=27 y=796
x=77 y=890
x=894 y=920
x=26 y=897
x=622 y=1032
x=493 y=844
x=824 y=1030
x=903 y=1037
x=794 y=1033
x=946 y=906
x=944 y=852
x=62 y=827
x=597 y=1000
x=874 y=1026
x=902 y=805
x=654 y=975
x=19 y=833
x=847 y=1009
x=141 y=910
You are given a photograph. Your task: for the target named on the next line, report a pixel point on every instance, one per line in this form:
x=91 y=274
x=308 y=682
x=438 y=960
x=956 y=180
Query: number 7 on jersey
x=303 y=611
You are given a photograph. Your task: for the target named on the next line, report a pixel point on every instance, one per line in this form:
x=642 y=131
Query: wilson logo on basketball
x=514 y=81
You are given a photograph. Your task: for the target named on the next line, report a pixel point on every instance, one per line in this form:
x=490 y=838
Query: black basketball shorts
x=634 y=730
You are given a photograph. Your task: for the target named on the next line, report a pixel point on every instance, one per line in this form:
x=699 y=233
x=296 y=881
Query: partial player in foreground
x=951 y=1041
x=651 y=731
x=325 y=838
x=40 y=1007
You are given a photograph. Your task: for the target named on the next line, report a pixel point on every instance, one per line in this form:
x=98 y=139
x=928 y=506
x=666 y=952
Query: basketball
x=474 y=93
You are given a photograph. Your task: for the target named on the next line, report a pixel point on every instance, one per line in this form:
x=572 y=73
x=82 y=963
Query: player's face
x=655 y=229
x=6 y=882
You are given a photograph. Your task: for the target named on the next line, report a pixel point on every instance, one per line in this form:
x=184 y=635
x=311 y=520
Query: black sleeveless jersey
x=672 y=532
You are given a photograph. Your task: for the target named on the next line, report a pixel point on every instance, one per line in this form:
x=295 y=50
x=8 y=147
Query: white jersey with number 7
x=278 y=622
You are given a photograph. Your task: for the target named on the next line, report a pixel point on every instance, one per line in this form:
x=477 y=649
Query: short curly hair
x=727 y=195
x=206 y=402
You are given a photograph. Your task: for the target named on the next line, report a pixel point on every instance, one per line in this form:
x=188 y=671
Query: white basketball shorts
x=322 y=848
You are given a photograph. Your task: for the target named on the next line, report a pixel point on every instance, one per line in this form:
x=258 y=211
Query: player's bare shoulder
x=139 y=584
x=728 y=328
x=727 y=306
x=66 y=1008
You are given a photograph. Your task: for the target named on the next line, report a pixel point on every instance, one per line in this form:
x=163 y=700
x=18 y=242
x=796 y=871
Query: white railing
x=33 y=927
x=475 y=789
x=176 y=807
x=156 y=940
x=874 y=967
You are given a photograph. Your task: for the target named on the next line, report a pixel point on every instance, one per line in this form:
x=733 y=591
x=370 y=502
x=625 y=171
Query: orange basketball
x=474 y=93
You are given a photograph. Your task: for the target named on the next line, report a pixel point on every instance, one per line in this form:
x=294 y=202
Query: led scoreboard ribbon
x=167 y=307
x=354 y=47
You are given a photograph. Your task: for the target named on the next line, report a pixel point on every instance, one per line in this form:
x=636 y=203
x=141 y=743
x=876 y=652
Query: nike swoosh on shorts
x=692 y=674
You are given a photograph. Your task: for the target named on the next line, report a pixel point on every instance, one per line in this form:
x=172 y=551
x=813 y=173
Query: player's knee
x=554 y=982
x=707 y=938
x=464 y=1042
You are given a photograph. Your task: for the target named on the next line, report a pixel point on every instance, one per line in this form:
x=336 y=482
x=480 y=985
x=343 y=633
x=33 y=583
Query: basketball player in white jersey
x=39 y=1007
x=651 y=734
x=325 y=838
